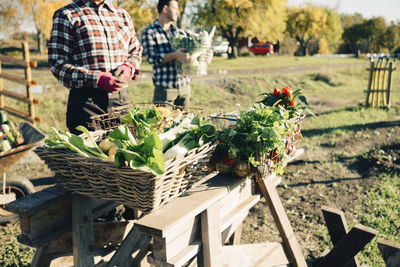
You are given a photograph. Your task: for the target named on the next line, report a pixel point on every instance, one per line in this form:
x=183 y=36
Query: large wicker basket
x=97 y=178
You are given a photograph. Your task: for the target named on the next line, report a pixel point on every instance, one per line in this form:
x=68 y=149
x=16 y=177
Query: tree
x=332 y=30
x=392 y=36
x=9 y=13
x=373 y=32
x=239 y=18
x=41 y=12
x=311 y=23
x=142 y=12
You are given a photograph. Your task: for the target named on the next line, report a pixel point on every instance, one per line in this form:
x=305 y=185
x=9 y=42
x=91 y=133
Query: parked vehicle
x=221 y=48
x=262 y=48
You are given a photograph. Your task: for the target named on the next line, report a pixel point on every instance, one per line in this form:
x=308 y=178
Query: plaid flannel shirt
x=87 y=39
x=156 y=43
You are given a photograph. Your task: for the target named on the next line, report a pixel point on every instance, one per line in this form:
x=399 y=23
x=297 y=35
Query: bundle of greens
x=197 y=45
x=10 y=136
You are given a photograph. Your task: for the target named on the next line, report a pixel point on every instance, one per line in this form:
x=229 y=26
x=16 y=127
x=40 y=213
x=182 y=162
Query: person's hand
x=124 y=72
x=182 y=56
x=109 y=83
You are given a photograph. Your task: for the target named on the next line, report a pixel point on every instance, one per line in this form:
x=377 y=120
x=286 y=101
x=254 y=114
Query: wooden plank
x=232 y=220
x=235 y=238
x=385 y=68
x=184 y=256
x=211 y=236
x=1 y=89
x=253 y=255
x=383 y=83
x=134 y=241
x=348 y=247
x=371 y=71
x=105 y=234
x=189 y=234
x=390 y=252
x=16 y=78
x=337 y=228
x=28 y=76
x=19 y=114
x=18 y=97
x=17 y=61
x=389 y=84
x=35 y=202
x=7 y=198
x=235 y=197
x=282 y=222
x=172 y=216
x=82 y=231
x=41 y=258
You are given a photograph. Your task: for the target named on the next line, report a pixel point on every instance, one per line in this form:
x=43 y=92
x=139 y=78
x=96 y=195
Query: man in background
x=170 y=86
x=94 y=52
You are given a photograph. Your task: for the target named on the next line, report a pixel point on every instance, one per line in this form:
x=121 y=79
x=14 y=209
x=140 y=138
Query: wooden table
x=193 y=228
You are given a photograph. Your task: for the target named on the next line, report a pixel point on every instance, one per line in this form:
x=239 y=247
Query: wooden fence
x=27 y=98
x=380 y=82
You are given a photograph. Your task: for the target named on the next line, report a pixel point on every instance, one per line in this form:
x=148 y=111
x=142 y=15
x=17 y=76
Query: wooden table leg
x=82 y=231
x=211 y=237
x=282 y=222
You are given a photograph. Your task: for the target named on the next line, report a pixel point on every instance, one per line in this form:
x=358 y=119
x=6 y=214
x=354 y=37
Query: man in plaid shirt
x=170 y=86
x=94 y=52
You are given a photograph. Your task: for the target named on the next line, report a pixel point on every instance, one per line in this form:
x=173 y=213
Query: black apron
x=87 y=101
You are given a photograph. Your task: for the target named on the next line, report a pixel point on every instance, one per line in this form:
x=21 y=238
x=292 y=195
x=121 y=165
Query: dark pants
x=175 y=96
x=86 y=102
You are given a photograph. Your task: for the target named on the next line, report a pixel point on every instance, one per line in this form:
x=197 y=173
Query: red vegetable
x=228 y=161
x=276 y=91
x=291 y=103
x=287 y=91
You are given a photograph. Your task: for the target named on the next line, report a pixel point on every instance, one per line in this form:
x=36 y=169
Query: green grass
x=381 y=212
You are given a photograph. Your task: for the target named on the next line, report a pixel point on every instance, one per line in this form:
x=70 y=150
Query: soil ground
x=332 y=173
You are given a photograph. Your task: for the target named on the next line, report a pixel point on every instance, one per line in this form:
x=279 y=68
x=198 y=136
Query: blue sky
x=389 y=9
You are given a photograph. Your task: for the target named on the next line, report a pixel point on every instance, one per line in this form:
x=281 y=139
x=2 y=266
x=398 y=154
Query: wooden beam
x=390 y=252
x=17 y=61
x=1 y=89
x=18 y=97
x=282 y=222
x=134 y=241
x=348 y=247
x=82 y=231
x=211 y=236
x=337 y=228
x=17 y=78
x=19 y=114
x=256 y=255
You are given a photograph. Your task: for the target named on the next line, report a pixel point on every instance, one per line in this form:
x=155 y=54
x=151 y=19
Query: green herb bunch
x=258 y=136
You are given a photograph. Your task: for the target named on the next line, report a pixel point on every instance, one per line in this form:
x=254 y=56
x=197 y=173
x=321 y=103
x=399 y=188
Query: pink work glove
x=124 y=72
x=109 y=83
